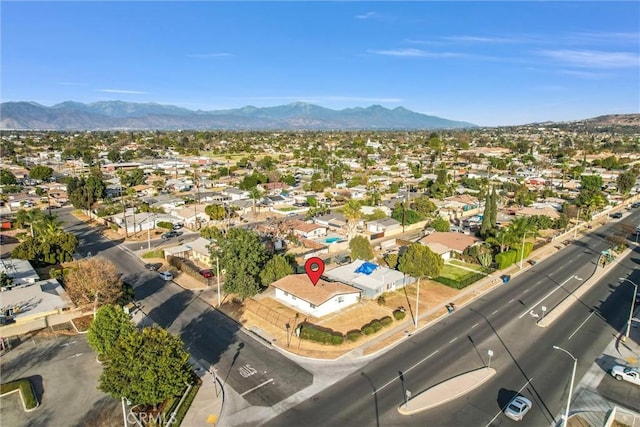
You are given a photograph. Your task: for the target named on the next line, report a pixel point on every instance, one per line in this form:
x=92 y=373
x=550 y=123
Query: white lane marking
x=546 y=296
x=581 y=324
x=511 y=300
x=453 y=340
x=538 y=282
x=75 y=355
x=257 y=387
x=494 y=312
x=474 y=325
x=502 y=410
x=405 y=372
x=525 y=291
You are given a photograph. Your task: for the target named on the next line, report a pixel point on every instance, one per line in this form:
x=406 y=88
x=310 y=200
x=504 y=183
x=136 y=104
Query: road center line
x=453 y=340
x=581 y=324
x=502 y=410
x=545 y=297
x=474 y=325
x=511 y=300
x=525 y=291
x=494 y=312
x=257 y=387
x=405 y=372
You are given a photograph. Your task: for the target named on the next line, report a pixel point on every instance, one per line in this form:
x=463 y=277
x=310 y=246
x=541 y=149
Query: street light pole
x=573 y=376
x=218 y=277
x=633 y=304
x=417 y=301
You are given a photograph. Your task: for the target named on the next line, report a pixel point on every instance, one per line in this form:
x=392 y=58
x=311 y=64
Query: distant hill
x=119 y=115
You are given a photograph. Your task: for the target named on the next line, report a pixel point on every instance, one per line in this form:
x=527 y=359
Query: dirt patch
x=82 y=323
x=268 y=317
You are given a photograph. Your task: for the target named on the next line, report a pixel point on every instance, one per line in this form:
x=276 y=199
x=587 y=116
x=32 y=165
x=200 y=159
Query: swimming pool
x=331 y=239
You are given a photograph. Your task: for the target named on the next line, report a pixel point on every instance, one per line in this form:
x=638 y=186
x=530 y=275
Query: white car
x=517 y=408
x=620 y=373
x=166 y=275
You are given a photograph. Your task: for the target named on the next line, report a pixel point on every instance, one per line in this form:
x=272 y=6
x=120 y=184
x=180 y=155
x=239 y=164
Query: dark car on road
x=169 y=234
x=616 y=215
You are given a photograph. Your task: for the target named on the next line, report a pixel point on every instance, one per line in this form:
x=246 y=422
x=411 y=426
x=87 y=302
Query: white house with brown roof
x=306 y=230
x=297 y=291
x=440 y=241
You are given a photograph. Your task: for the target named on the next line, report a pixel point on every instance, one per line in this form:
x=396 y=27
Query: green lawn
x=454 y=273
x=464 y=264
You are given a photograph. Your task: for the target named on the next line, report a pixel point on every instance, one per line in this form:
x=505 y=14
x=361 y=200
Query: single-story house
x=384 y=225
x=192 y=216
x=370 y=278
x=455 y=242
x=297 y=291
x=308 y=231
x=20 y=271
x=43 y=298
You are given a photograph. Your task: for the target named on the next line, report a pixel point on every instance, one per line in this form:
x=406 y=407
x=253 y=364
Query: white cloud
x=208 y=55
x=606 y=38
x=585 y=74
x=124 y=91
x=593 y=58
x=367 y=15
x=478 y=39
x=415 y=53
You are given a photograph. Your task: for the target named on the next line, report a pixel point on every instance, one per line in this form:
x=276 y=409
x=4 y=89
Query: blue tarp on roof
x=366 y=268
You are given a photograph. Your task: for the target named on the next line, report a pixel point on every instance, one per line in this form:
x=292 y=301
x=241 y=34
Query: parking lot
x=64 y=373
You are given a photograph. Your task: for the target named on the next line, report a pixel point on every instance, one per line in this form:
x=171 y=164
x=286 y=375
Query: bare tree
x=93 y=281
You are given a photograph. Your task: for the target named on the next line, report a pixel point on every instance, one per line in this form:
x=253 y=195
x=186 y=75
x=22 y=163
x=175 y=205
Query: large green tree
x=420 y=261
x=7 y=177
x=360 y=248
x=41 y=173
x=146 y=367
x=109 y=325
x=276 y=268
x=243 y=257
x=626 y=181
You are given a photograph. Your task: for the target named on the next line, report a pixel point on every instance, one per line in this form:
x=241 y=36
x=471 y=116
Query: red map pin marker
x=314 y=268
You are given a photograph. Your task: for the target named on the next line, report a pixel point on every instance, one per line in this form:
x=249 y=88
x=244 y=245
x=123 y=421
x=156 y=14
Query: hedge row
x=323 y=336
x=505 y=259
x=460 y=284
x=328 y=336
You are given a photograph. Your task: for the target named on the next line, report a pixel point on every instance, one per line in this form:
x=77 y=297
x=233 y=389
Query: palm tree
x=31 y=218
x=352 y=214
x=255 y=195
x=50 y=226
x=132 y=196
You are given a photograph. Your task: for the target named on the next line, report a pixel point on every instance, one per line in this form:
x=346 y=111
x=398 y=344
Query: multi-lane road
x=503 y=321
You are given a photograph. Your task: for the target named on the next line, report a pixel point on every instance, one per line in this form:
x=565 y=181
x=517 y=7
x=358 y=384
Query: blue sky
x=489 y=63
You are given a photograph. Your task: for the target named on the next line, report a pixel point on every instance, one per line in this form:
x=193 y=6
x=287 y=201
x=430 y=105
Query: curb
x=488 y=373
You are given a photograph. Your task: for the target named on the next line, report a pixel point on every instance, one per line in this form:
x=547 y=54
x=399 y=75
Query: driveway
x=64 y=374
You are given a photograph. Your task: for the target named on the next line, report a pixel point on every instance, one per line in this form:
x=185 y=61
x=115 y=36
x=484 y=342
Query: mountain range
x=120 y=115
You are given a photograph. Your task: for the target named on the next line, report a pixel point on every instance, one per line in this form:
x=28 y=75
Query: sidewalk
x=588 y=407
x=38 y=324
x=206 y=408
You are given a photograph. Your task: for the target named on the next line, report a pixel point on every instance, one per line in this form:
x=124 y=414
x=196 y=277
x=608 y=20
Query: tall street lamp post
x=573 y=376
x=633 y=304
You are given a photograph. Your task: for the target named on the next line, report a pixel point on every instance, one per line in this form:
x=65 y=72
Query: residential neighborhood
x=402 y=222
